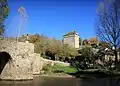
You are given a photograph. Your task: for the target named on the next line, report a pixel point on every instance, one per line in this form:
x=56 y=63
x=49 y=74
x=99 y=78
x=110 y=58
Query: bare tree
x=108 y=24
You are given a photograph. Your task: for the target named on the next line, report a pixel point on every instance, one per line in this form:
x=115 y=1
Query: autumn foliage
x=50 y=47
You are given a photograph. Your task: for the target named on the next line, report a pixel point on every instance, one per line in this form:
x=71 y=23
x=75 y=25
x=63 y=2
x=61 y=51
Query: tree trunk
x=116 y=57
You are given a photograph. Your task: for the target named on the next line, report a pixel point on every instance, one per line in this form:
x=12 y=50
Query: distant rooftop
x=71 y=33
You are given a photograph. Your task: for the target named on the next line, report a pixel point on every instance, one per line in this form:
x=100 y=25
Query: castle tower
x=72 y=39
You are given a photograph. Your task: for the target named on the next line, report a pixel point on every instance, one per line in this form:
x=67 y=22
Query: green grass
x=60 y=69
x=56 y=68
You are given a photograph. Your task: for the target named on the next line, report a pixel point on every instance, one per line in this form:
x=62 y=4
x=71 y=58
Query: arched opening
x=4 y=58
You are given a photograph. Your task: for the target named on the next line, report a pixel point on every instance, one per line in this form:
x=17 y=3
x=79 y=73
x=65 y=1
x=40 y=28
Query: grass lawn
x=56 y=68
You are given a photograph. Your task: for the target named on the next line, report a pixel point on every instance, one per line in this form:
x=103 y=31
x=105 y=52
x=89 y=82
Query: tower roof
x=71 y=33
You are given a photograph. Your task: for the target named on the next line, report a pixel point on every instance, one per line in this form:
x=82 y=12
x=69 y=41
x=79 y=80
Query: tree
x=103 y=45
x=108 y=24
x=69 y=52
x=34 y=38
x=54 y=48
x=94 y=42
x=87 y=52
x=4 y=11
x=86 y=58
x=41 y=46
x=80 y=41
x=41 y=43
x=85 y=42
x=58 y=51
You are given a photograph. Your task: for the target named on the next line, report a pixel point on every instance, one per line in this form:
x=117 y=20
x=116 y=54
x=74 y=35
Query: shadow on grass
x=94 y=74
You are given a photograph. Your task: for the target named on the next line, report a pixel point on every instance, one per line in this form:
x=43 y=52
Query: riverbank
x=96 y=73
x=63 y=75
x=57 y=70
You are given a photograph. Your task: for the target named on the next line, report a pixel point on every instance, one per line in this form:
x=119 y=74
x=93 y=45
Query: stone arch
x=4 y=59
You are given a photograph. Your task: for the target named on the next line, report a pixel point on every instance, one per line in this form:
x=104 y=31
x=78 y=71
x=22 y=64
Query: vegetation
x=88 y=59
x=90 y=56
x=51 y=48
x=4 y=11
x=56 y=68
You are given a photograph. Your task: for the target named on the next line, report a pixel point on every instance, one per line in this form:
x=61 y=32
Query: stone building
x=72 y=38
x=108 y=54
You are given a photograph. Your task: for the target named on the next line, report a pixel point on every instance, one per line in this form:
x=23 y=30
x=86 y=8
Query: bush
x=47 y=68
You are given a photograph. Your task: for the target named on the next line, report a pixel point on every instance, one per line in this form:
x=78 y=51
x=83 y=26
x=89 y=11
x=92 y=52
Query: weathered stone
x=21 y=65
x=24 y=62
x=37 y=64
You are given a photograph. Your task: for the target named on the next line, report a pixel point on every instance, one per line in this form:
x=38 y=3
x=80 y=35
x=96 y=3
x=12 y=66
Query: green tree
x=4 y=11
x=86 y=58
x=69 y=51
x=87 y=52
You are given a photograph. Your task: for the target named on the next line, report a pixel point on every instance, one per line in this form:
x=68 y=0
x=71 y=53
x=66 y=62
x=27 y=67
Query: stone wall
x=37 y=65
x=39 y=62
x=47 y=61
x=20 y=66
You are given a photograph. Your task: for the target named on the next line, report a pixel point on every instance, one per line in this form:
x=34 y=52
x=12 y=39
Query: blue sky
x=53 y=18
